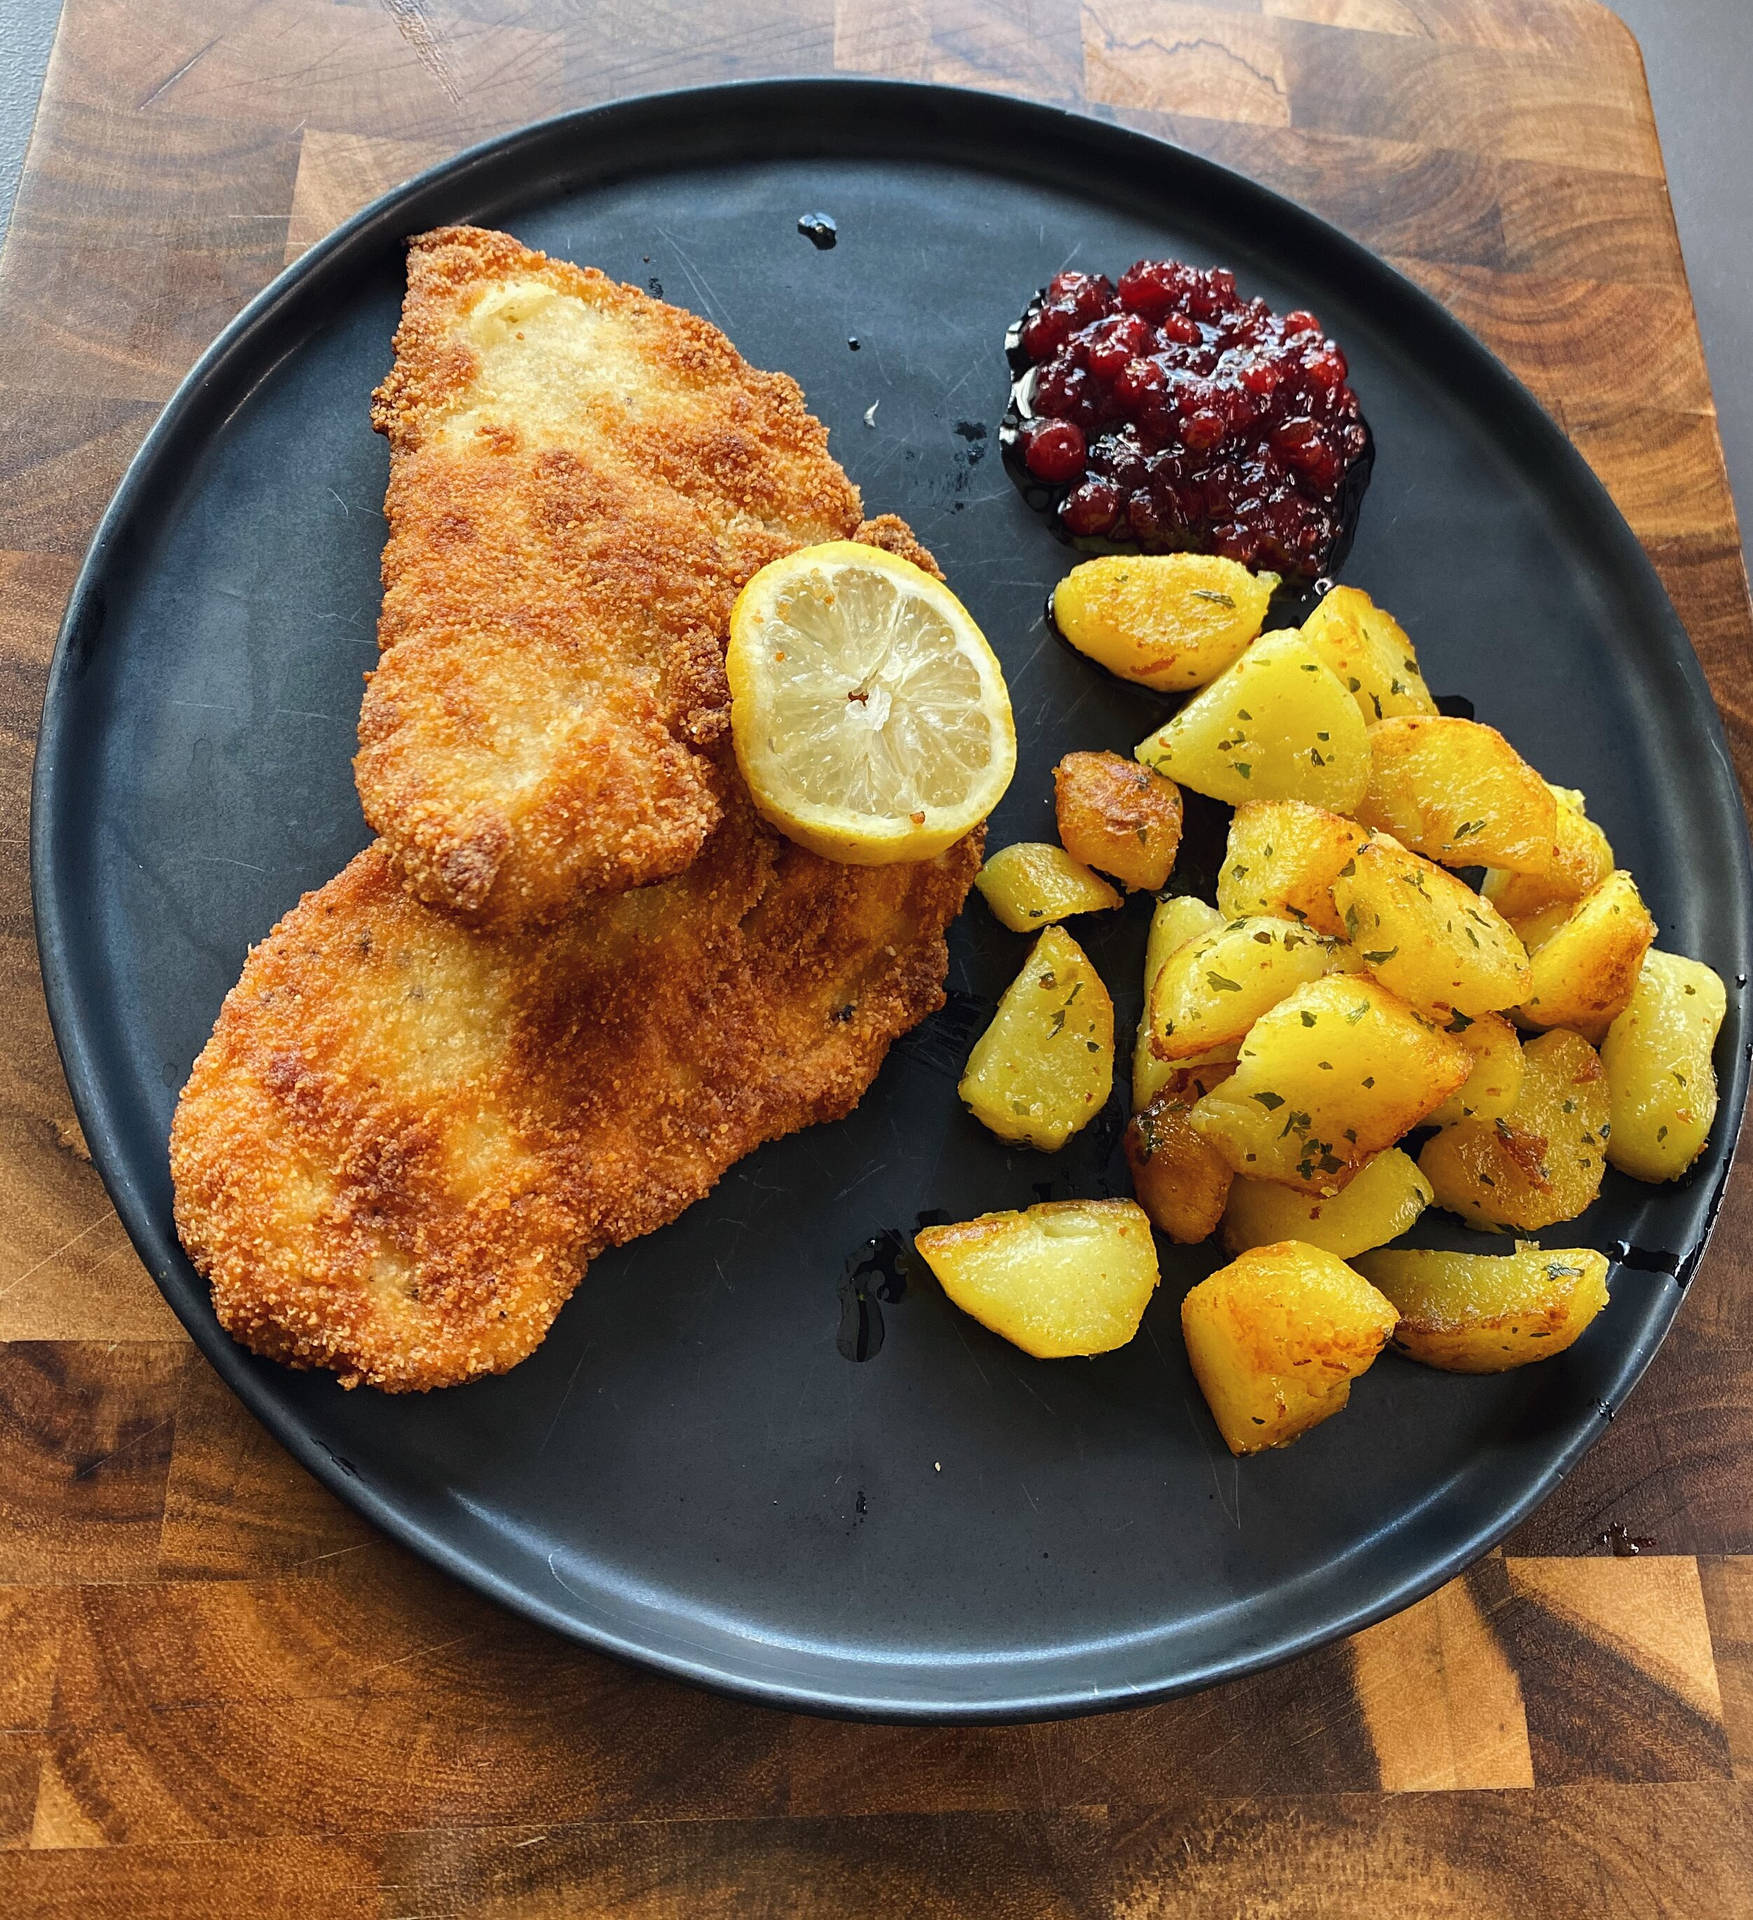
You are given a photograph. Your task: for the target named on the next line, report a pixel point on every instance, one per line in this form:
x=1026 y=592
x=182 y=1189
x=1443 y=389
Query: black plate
x=689 y=1472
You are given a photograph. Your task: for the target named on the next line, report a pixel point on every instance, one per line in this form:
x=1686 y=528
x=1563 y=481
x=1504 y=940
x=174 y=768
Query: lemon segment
x=869 y=716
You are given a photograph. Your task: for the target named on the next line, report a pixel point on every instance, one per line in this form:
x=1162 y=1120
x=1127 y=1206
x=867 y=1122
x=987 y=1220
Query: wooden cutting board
x=223 y=1694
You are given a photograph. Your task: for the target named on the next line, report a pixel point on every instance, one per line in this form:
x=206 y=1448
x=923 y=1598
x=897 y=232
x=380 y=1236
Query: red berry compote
x=1166 y=412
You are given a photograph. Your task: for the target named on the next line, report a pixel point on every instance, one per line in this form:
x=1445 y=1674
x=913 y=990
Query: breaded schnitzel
x=406 y=1139
x=581 y=480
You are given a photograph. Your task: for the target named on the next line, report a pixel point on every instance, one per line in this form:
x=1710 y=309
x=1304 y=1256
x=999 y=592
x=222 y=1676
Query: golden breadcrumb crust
x=582 y=479
x=405 y=1139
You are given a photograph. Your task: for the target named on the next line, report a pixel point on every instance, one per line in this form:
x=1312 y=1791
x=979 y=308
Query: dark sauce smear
x=1645 y=1259
x=860 y=1333
x=819 y=230
x=1623 y=1544
x=1168 y=414
x=876 y=1275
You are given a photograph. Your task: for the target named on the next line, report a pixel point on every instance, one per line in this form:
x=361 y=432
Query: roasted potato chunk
x=1495 y=1083
x=1277 y=725
x=1488 y=1312
x=1661 y=1086
x=1283 y=857
x=1586 y=967
x=1581 y=860
x=1542 y=1161
x=1426 y=936
x=1167 y=620
x=1458 y=793
x=1067 y=1277
x=1208 y=993
x=1386 y=1197
x=1119 y=816
x=1276 y=1339
x=1179 y=1181
x=1329 y=1077
x=1032 y=884
x=1045 y=1065
x=1175 y=921
x=1369 y=651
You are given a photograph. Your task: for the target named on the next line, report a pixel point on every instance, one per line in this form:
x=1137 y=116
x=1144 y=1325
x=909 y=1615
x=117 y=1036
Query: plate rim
x=154 y=1239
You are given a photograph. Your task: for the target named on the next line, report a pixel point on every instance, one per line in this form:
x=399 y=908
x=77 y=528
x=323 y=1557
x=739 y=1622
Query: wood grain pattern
x=221 y=1693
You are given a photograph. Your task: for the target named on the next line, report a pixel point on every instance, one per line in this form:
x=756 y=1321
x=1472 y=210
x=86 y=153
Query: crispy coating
x=405 y=1140
x=581 y=481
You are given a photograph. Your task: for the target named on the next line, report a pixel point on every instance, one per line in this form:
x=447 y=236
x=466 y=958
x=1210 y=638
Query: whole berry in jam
x=1055 y=451
x=1165 y=411
x=1091 y=508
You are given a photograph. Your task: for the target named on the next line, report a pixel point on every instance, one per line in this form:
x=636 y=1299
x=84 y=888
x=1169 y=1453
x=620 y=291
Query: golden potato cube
x=1209 y=992
x=1330 y=1076
x=1495 y=1084
x=1542 y=1161
x=1661 y=1086
x=1276 y=1339
x=1045 y=1065
x=1179 y=1181
x=1119 y=816
x=1581 y=860
x=1064 y=1278
x=1277 y=725
x=1488 y=1312
x=1426 y=935
x=1369 y=651
x=1585 y=968
x=1032 y=884
x=1458 y=793
x=1167 y=620
x=1384 y=1199
x=1283 y=857
x=1174 y=922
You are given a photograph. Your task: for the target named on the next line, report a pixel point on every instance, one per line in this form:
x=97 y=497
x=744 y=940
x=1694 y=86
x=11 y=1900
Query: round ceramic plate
x=738 y=1457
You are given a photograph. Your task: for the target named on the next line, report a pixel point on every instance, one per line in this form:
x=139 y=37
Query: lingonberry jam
x=1167 y=412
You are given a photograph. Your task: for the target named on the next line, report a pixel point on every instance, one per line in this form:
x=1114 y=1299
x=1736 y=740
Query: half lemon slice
x=869 y=715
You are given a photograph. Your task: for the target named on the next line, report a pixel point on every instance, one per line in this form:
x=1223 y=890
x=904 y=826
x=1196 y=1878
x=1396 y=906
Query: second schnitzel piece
x=581 y=481
x=406 y=1139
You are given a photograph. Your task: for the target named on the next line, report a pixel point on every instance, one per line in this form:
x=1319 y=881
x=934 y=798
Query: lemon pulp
x=869 y=715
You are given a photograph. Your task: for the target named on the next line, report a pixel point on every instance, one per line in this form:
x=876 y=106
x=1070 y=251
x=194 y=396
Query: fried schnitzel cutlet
x=581 y=480
x=406 y=1139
